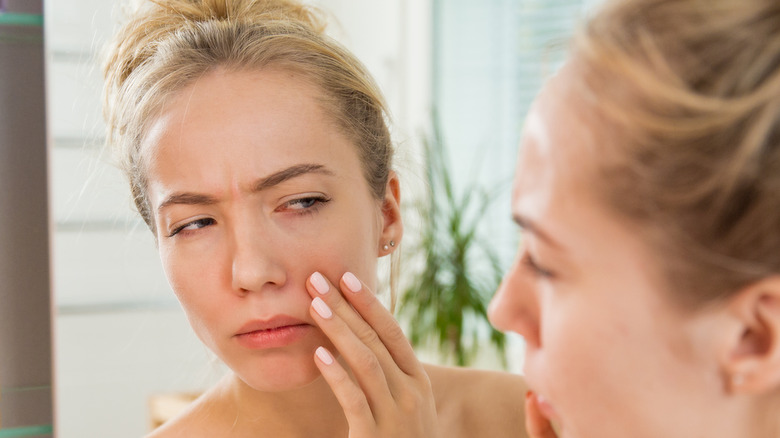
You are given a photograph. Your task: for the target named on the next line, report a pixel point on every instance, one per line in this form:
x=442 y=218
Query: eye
x=305 y=204
x=535 y=268
x=192 y=226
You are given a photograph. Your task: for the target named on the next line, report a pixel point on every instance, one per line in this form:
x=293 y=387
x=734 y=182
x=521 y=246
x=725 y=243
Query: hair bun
x=150 y=22
x=193 y=11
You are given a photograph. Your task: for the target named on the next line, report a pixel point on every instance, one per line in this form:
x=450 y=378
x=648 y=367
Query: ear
x=752 y=363
x=392 y=227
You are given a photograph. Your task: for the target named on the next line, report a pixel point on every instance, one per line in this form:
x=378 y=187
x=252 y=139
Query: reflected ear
x=392 y=225
x=752 y=363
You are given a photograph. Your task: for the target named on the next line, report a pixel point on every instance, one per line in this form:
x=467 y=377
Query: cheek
x=345 y=247
x=572 y=343
x=578 y=369
x=194 y=280
x=608 y=349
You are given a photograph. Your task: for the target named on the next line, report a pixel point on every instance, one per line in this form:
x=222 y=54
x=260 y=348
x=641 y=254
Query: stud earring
x=386 y=247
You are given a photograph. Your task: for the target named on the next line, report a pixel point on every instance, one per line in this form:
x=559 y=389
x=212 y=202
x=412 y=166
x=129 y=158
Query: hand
x=537 y=425
x=391 y=395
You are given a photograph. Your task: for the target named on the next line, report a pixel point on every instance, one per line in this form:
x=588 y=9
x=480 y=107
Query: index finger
x=382 y=321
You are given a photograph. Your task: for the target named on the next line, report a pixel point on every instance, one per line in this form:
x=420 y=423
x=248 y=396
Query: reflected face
x=253 y=188
x=606 y=349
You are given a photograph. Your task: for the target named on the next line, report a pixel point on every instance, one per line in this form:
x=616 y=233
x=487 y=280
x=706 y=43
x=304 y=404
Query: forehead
x=225 y=99
x=236 y=126
x=557 y=157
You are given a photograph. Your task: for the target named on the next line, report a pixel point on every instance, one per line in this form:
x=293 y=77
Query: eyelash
x=202 y=222
x=314 y=204
x=537 y=270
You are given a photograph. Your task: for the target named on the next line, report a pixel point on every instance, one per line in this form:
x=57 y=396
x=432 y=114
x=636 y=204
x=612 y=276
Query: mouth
x=275 y=332
x=545 y=405
x=270 y=324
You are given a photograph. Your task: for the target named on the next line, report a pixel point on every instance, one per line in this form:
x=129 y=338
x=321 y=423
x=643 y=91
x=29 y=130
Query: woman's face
x=606 y=349
x=253 y=188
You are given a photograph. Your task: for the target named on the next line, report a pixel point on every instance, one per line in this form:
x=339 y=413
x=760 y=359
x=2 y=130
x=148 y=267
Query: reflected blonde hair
x=168 y=44
x=690 y=94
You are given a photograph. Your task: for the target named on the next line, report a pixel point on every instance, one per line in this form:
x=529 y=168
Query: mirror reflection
x=126 y=354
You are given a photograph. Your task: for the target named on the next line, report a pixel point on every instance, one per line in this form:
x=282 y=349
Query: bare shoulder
x=476 y=403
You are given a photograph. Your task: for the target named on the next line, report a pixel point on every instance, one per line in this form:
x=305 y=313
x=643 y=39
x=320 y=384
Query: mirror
x=121 y=338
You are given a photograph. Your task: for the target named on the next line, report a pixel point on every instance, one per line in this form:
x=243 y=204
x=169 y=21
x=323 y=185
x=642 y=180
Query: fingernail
x=324 y=356
x=321 y=308
x=319 y=283
x=352 y=282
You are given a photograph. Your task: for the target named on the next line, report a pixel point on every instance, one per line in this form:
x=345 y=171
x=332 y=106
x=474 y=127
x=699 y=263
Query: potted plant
x=445 y=301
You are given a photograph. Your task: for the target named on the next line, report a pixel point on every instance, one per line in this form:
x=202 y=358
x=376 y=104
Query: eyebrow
x=531 y=227
x=276 y=178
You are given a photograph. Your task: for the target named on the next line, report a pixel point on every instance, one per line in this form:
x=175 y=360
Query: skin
x=609 y=353
x=259 y=199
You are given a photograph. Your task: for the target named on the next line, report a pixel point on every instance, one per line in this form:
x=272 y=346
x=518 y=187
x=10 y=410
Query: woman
x=647 y=285
x=258 y=154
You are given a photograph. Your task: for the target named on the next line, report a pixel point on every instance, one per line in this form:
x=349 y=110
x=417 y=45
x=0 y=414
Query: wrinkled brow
x=189 y=198
x=289 y=173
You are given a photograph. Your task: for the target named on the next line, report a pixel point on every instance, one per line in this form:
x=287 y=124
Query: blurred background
x=458 y=75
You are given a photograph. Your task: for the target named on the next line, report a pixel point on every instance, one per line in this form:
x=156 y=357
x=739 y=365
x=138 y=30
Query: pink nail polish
x=324 y=356
x=352 y=282
x=321 y=308
x=319 y=283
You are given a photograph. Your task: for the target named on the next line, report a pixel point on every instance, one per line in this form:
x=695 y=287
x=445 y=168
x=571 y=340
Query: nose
x=515 y=306
x=258 y=261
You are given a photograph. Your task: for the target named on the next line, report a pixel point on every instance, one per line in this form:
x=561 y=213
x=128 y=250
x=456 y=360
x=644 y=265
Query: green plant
x=446 y=301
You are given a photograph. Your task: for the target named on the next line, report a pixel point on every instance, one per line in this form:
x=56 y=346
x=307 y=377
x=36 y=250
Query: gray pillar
x=26 y=406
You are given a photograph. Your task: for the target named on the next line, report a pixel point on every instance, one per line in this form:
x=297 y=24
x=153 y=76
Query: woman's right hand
x=388 y=394
x=536 y=424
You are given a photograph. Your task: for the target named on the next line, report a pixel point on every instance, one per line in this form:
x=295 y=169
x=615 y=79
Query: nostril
x=528 y=328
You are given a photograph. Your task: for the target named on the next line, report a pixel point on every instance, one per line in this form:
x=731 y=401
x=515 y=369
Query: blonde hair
x=167 y=44
x=690 y=92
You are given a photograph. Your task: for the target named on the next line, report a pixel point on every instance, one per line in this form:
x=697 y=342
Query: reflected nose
x=515 y=305
x=257 y=261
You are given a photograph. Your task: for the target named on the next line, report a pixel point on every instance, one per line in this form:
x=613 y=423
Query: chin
x=278 y=374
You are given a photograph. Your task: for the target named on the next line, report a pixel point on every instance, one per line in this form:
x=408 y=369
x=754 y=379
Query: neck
x=311 y=410
x=766 y=417
x=748 y=416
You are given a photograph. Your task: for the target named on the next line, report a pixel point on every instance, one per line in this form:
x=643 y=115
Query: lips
x=273 y=323
x=276 y=332
x=544 y=404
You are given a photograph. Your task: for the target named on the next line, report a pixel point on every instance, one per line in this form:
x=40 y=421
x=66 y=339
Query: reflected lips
x=275 y=332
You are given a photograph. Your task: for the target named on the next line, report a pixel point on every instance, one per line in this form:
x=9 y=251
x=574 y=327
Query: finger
x=351 y=398
x=369 y=335
x=365 y=364
x=365 y=302
x=537 y=425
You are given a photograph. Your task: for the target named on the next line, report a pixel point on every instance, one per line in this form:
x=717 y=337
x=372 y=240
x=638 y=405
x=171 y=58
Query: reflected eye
x=304 y=205
x=192 y=226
